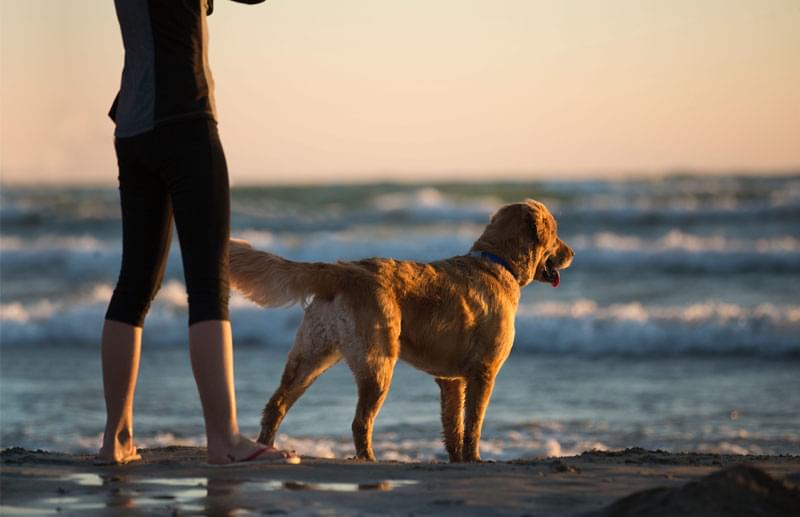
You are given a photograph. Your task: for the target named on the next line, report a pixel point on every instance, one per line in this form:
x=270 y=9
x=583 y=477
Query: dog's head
x=525 y=236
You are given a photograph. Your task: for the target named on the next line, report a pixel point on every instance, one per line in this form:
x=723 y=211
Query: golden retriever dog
x=452 y=318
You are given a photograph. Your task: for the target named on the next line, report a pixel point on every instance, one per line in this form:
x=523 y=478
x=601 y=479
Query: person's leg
x=146 y=227
x=121 y=347
x=211 y=349
x=198 y=184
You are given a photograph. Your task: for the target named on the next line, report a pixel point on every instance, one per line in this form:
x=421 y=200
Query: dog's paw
x=365 y=458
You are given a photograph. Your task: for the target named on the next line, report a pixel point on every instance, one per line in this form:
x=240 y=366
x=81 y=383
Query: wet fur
x=452 y=318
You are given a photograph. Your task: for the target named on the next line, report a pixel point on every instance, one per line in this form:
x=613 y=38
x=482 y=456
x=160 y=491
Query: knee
x=208 y=304
x=129 y=305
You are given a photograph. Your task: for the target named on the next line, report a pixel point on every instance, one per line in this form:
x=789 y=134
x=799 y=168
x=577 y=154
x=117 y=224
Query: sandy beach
x=175 y=481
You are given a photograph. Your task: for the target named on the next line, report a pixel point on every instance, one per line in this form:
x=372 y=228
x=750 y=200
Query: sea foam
x=582 y=326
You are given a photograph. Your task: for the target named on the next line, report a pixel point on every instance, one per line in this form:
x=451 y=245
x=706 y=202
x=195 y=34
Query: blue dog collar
x=494 y=258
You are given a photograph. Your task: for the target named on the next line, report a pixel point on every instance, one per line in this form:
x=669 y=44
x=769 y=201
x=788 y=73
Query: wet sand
x=175 y=481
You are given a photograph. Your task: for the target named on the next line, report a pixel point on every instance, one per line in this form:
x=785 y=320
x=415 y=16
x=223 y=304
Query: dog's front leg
x=453 y=417
x=479 y=389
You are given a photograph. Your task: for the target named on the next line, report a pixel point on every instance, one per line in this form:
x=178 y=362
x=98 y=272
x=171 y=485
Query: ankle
x=119 y=439
x=223 y=444
x=125 y=436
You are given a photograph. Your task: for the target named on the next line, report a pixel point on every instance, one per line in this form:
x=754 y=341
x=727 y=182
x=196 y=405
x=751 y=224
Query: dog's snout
x=565 y=254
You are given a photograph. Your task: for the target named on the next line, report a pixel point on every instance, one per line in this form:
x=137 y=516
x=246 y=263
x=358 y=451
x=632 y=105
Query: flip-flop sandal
x=293 y=459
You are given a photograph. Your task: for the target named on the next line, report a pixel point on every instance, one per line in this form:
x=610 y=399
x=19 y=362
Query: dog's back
x=445 y=310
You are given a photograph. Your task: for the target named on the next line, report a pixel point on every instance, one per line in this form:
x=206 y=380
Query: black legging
x=177 y=169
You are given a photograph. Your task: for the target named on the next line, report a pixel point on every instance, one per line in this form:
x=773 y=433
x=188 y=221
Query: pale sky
x=342 y=90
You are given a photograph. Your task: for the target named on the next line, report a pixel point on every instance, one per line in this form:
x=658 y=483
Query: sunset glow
x=349 y=90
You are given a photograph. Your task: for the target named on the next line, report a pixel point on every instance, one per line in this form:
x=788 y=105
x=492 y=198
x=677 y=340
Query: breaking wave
x=580 y=327
x=705 y=328
x=84 y=258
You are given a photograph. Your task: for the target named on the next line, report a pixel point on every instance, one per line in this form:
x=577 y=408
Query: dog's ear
x=508 y=235
x=543 y=225
x=537 y=225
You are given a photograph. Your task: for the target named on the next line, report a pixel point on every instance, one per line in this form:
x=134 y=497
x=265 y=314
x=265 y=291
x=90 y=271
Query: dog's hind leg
x=308 y=359
x=373 y=377
x=479 y=390
x=453 y=416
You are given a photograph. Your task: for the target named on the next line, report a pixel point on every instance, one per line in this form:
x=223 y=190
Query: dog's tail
x=273 y=281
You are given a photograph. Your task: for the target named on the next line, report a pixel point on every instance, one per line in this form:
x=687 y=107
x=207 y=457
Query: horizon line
x=474 y=176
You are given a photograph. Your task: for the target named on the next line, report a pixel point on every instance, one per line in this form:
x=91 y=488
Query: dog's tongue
x=557 y=279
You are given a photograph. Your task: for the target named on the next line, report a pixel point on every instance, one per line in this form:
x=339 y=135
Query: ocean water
x=677 y=327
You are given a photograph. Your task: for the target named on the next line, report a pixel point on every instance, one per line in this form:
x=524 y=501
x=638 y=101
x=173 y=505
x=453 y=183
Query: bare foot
x=249 y=451
x=117 y=454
